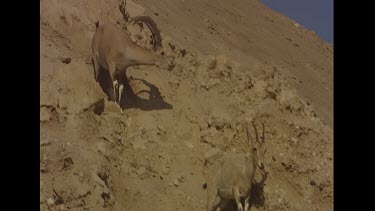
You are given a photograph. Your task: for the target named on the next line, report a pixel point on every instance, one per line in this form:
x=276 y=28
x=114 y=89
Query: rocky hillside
x=230 y=64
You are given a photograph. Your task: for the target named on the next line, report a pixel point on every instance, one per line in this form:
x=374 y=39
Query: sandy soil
x=231 y=63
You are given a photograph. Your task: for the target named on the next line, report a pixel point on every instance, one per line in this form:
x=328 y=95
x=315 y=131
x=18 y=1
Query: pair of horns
x=249 y=138
x=156 y=37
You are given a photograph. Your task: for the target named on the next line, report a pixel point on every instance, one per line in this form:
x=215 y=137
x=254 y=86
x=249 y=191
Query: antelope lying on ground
x=114 y=51
x=233 y=175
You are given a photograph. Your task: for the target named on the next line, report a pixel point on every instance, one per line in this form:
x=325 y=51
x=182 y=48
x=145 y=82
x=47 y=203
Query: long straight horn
x=256 y=132
x=249 y=138
x=263 y=137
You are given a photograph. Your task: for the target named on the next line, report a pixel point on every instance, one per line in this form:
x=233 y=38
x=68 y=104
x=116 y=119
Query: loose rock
x=50 y=201
x=176 y=183
x=44 y=114
x=212 y=154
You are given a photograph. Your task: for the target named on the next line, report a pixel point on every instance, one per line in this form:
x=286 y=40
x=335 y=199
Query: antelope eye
x=255 y=149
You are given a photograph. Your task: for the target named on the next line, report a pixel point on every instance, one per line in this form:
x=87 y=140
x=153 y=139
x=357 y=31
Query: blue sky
x=316 y=15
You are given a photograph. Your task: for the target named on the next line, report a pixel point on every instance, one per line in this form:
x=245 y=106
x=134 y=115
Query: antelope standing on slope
x=232 y=175
x=114 y=51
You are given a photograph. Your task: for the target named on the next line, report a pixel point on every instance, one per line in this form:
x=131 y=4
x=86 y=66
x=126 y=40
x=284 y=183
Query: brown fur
x=114 y=51
x=231 y=176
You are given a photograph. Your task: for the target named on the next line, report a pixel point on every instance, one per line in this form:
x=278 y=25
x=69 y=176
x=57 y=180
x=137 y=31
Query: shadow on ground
x=129 y=99
x=257 y=198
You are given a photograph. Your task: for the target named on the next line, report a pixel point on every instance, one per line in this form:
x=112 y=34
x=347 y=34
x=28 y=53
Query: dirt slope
x=246 y=31
x=231 y=63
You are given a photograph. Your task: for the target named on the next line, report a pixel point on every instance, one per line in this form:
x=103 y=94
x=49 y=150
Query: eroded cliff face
x=231 y=63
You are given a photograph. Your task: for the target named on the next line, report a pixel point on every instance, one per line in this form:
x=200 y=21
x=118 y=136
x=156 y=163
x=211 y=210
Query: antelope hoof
x=118 y=105
x=240 y=208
